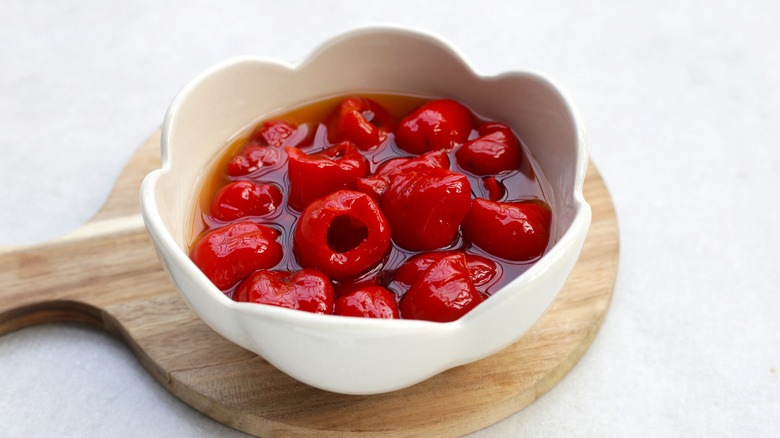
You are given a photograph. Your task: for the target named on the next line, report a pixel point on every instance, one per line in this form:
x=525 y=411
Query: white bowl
x=358 y=355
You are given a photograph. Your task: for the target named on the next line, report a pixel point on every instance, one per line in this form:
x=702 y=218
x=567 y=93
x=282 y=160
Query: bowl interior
x=230 y=97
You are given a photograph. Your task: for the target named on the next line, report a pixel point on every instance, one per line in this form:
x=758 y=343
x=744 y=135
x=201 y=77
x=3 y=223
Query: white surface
x=681 y=102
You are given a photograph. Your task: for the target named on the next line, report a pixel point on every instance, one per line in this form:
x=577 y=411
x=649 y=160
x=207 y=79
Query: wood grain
x=106 y=273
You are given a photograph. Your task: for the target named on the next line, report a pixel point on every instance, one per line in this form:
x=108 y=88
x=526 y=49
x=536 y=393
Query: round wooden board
x=126 y=292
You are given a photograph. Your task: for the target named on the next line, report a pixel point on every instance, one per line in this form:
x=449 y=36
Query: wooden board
x=106 y=273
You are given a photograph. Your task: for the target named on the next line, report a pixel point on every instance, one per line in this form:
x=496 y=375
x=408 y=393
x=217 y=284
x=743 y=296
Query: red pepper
x=438 y=124
x=517 y=231
x=368 y=302
x=425 y=209
x=374 y=277
x=308 y=290
x=343 y=234
x=496 y=150
x=245 y=198
x=262 y=151
x=278 y=133
x=373 y=185
x=229 y=254
x=443 y=293
x=494 y=188
x=481 y=269
x=361 y=121
x=429 y=160
x=317 y=175
x=251 y=159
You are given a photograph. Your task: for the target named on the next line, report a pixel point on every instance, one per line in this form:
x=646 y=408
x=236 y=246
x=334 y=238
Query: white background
x=681 y=102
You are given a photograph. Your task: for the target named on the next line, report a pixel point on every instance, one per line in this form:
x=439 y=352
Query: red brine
x=372 y=205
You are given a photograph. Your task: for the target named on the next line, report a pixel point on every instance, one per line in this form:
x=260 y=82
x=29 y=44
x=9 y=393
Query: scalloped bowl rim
x=171 y=252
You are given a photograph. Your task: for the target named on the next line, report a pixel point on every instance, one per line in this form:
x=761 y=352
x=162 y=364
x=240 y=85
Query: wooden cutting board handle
x=106 y=273
x=76 y=276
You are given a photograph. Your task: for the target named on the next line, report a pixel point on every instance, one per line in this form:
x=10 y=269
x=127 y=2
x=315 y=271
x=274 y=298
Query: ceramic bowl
x=358 y=355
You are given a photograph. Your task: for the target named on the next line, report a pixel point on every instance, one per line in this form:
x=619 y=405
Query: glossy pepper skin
x=278 y=133
x=376 y=184
x=429 y=160
x=517 y=231
x=438 y=124
x=229 y=254
x=368 y=302
x=253 y=159
x=373 y=185
x=494 y=188
x=317 y=175
x=263 y=151
x=343 y=234
x=443 y=293
x=308 y=290
x=245 y=198
x=425 y=209
x=482 y=270
x=496 y=150
x=361 y=121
